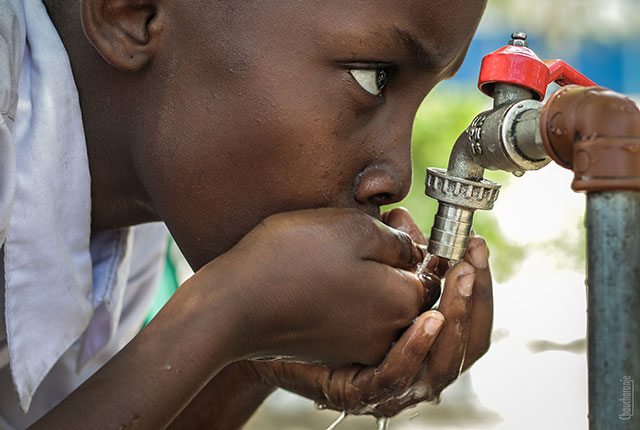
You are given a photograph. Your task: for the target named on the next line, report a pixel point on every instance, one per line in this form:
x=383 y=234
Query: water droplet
x=422 y=266
x=518 y=173
x=320 y=406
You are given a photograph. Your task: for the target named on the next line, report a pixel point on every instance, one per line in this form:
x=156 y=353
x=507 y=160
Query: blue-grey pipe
x=613 y=249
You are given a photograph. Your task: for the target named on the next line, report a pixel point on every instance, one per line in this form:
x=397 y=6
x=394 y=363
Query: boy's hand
x=324 y=285
x=425 y=360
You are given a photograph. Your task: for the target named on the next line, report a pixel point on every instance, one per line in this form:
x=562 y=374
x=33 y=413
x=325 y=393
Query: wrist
x=208 y=303
x=226 y=291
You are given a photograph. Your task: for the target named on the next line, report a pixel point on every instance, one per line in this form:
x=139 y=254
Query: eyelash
x=372 y=83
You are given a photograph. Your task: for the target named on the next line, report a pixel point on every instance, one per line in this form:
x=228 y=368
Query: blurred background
x=534 y=375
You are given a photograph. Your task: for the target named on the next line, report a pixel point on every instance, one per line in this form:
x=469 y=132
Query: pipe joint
x=596 y=133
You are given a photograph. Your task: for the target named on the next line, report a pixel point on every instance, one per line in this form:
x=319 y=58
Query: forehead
x=438 y=29
x=432 y=23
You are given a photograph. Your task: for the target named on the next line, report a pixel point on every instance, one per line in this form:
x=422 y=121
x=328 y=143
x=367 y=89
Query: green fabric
x=168 y=286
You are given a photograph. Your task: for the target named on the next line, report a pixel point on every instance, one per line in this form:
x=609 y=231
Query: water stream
x=423 y=265
x=383 y=423
x=337 y=422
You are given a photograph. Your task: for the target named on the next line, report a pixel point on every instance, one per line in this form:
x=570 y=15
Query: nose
x=383 y=184
x=387 y=177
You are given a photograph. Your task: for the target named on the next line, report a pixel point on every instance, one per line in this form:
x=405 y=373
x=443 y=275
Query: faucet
x=595 y=133
x=507 y=138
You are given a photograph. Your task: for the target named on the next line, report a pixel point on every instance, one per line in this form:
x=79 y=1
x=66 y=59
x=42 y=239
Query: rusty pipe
x=596 y=133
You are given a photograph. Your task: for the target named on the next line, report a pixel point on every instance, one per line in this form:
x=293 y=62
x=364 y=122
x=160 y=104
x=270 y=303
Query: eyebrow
x=421 y=53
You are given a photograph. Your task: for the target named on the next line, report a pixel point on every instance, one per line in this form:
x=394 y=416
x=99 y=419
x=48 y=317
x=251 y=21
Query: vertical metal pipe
x=613 y=248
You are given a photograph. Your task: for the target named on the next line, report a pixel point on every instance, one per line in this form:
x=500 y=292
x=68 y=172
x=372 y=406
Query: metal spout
x=458 y=199
x=505 y=138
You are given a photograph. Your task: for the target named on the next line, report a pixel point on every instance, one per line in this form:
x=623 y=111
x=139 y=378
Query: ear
x=124 y=32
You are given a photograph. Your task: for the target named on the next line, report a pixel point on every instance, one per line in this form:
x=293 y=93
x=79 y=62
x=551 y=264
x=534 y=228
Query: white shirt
x=71 y=299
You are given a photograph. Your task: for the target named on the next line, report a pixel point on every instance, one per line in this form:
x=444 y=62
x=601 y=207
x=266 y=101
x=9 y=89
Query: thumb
x=393 y=247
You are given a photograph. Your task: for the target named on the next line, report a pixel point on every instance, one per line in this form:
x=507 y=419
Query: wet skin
x=227 y=121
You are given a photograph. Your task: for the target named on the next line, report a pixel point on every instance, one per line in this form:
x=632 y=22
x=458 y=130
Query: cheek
x=224 y=164
x=299 y=138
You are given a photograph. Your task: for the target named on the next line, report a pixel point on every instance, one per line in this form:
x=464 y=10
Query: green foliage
x=442 y=117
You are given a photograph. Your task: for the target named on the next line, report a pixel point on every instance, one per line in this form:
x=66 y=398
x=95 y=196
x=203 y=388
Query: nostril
x=381 y=199
x=379 y=186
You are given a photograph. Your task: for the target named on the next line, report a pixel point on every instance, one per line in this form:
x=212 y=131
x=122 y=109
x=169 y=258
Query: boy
x=266 y=135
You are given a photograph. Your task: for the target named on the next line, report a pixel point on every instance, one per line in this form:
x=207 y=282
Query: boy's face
x=262 y=107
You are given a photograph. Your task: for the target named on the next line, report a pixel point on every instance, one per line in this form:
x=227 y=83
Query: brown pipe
x=596 y=133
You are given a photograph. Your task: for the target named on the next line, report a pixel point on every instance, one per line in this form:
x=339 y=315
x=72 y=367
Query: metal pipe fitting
x=505 y=138
x=458 y=199
x=596 y=133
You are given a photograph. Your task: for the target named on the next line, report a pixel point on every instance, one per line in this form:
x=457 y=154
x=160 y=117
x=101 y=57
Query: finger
x=438 y=266
x=400 y=219
x=432 y=290
x=396 y=299
x=426 y=286
x=412 y=291
x=402 y=365
x=396 y=405
x=392 y=247
x=482 y=308
x=443 y=266
x=445 y=360
x=385 y=215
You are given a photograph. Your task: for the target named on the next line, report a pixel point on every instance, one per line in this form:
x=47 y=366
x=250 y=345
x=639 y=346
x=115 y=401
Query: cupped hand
x=325 y=285
x=428 y=357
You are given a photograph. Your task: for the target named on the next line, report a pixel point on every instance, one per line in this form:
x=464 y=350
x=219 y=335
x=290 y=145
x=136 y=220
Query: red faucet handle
x=514 y=64
x=517 y=64
x=563 y=74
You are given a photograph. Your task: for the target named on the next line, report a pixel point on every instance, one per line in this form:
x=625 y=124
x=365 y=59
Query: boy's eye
x=371 y=80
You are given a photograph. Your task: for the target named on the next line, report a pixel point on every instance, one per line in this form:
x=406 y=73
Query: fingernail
x=432 y=326
x=465 y=286
x=478 y=254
